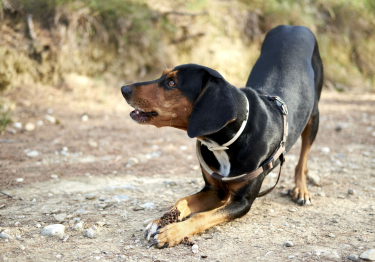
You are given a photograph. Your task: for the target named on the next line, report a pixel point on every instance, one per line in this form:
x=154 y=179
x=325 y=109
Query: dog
x=287 y=77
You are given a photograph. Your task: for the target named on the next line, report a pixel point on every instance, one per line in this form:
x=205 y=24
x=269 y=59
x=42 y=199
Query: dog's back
x=290 y=67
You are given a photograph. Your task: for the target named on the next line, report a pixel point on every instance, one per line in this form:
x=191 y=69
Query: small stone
x=50 y=119
x=101 y=224
x=65 y=238
x=90 y=233
x=149 y=205
x=331 y=235
x=353 y=257
x=29 y=127
x=288 y=244
x=138 y=208
x=78 y=226
x=292 y=256
x=33 y=153
x=18 y=125
x=351 y=191
x=84 y=118
x=4 y=235
x=322 y=194
x=132 y=161
x=368 y=255
x=60 y=217
x=90 y=196
x=183 y=148
x=313 y=178
x=39 y=123
x=56 y=230
x=325 y=150
x=19 y=180
x=194 y=248
x=54 y=176
x=76 y=220
x=38 y=225
x=292 y=209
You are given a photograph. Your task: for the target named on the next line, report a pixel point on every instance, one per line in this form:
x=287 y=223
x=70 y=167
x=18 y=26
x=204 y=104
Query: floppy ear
x=214 y=108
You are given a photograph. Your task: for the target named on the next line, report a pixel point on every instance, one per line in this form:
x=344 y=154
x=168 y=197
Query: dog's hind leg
x=300 y=193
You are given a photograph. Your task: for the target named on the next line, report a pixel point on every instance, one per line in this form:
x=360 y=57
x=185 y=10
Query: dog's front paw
x=152 y=227
x=170 y=235
x=300 y=195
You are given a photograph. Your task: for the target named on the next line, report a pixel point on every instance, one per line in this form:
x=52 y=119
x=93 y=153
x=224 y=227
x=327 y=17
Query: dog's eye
x=171 y=83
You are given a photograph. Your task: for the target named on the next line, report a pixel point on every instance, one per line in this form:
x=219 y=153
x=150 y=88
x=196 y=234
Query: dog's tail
x=317 y=65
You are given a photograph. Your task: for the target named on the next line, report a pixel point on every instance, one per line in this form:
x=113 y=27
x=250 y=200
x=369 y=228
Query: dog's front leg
x=174 y=234
x=210 y=197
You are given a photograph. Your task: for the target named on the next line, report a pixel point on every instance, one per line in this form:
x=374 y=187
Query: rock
x=78 y=226
x=18 y=125
x=39 y=123
x=56 y=230
x=132 y=161
x=4 y=235
x=368 y=255
x=90 y=233
x=293 y=209
x=65 y=238
x=313 y=178
x=54 y=176
x=29 y=127
x=288 y=244
x=92 y=143
x=101 y=224
x=119 y=198
x=21 y=247
x=353 y=257
x=38 y=225
x=19 y=180
x=33 y=153
x=325 y=150
x=331 y=235
x=84 y=118
x=90 y=196
x=60 y=217
x=183 y=148
x=322 y=194
x=50 y=119
x=149 y=205
x=351 y=191
x=194 y=248
x=138 y=208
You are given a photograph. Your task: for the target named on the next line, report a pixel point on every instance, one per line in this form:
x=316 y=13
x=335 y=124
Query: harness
x=279 y=152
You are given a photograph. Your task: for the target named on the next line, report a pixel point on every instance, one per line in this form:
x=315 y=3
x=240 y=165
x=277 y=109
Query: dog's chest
x=221 y=156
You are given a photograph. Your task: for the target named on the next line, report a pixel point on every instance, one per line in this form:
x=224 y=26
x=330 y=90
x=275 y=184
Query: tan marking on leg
x=174 y=234
x=300 y=191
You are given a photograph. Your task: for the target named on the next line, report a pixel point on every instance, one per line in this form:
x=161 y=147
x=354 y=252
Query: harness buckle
x=281 y=104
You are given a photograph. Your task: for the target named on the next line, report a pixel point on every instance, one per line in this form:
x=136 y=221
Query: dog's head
x=189 y=97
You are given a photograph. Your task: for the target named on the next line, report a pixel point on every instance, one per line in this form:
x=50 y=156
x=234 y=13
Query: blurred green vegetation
x=4 y=117
x=137 y=39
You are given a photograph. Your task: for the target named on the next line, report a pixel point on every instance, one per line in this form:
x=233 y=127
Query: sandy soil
x=91 y=158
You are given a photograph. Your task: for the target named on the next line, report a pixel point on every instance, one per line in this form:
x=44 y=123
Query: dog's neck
x=259 y=138
x=230 y=130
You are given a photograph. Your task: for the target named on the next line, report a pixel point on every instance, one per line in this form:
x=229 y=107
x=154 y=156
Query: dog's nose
x=127 y=91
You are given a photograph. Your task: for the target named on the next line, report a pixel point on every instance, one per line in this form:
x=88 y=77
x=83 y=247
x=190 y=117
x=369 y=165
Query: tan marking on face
x=166 y=71
x=173 y=108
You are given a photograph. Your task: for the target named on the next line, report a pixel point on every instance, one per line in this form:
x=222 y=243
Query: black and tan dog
x=198 y=100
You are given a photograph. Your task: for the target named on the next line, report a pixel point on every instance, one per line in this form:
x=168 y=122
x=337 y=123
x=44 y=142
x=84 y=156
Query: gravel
x=368 y=255
x=288 y=244
x=29 y=127
x=194 y=248
x=90 y=233
x=353 y=257
x=55 y=230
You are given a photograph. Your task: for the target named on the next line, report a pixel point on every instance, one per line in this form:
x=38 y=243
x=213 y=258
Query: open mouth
x=142 y=117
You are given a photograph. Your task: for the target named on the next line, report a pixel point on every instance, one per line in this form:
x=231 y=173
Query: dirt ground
x=96 y=157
